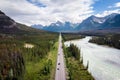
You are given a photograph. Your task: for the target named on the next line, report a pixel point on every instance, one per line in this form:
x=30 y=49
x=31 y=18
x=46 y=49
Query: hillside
x=18 y=62
x=9 y=26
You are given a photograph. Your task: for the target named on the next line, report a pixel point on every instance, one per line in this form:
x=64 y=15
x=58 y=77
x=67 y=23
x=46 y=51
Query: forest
x=71 y=36
x=20 y=63
x=112 y=40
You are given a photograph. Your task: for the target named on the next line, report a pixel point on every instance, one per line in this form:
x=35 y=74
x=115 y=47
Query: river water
x=104 y=62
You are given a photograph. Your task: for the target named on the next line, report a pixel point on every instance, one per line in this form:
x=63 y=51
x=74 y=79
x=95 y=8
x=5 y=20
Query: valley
x=59 y=40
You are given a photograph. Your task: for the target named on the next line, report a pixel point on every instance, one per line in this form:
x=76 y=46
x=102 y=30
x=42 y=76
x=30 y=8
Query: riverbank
x=74 y=63
x=109 y=40
x=104 y=62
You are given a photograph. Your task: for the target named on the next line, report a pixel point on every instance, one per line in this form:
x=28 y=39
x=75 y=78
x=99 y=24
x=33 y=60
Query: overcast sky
x=48 y=11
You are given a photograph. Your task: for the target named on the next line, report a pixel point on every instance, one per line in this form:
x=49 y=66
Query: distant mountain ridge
x=94 y=23
x=109 y=23
x=57 y=27
x=38 y=26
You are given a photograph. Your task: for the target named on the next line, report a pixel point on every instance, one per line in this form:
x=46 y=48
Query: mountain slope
x=9 y=26
x=90 y=23
x=108 y=24
x=112 y=22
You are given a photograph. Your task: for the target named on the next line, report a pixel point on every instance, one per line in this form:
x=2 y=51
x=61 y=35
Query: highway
x=60 y=66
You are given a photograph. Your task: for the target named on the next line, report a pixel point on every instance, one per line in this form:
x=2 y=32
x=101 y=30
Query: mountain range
x=57 y=27
x=110 y=23
x=93 y=24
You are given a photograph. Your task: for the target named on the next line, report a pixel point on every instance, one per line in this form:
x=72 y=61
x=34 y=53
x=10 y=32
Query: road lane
x=60 y=66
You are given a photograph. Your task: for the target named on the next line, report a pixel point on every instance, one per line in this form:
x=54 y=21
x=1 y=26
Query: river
x=104 y=62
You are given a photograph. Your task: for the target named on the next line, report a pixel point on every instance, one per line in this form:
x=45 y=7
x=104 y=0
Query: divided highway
x=60 y=66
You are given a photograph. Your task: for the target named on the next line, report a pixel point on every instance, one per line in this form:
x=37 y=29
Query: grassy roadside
x=43 y=69
x=53 y=57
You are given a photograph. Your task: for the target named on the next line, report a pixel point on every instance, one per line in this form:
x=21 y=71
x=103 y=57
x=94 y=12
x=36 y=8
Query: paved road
x=60 y=66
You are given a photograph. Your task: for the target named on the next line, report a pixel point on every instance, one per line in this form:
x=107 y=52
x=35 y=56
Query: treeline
x=110 y=40
x=71 y=36
x=73 y=51
x=74 y=62
x=20 y=63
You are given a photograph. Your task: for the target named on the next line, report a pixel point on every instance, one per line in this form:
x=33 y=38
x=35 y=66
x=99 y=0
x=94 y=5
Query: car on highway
x=58 y=63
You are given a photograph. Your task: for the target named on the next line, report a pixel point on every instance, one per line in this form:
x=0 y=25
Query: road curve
x=60 y=66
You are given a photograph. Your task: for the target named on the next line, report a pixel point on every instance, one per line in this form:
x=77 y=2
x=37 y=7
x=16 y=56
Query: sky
x=45 y=12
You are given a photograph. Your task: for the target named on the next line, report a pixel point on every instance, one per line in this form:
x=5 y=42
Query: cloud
x=112 y=9
x=36 y=3
x=107 y=12
x=47 y=11
x=117 y=5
